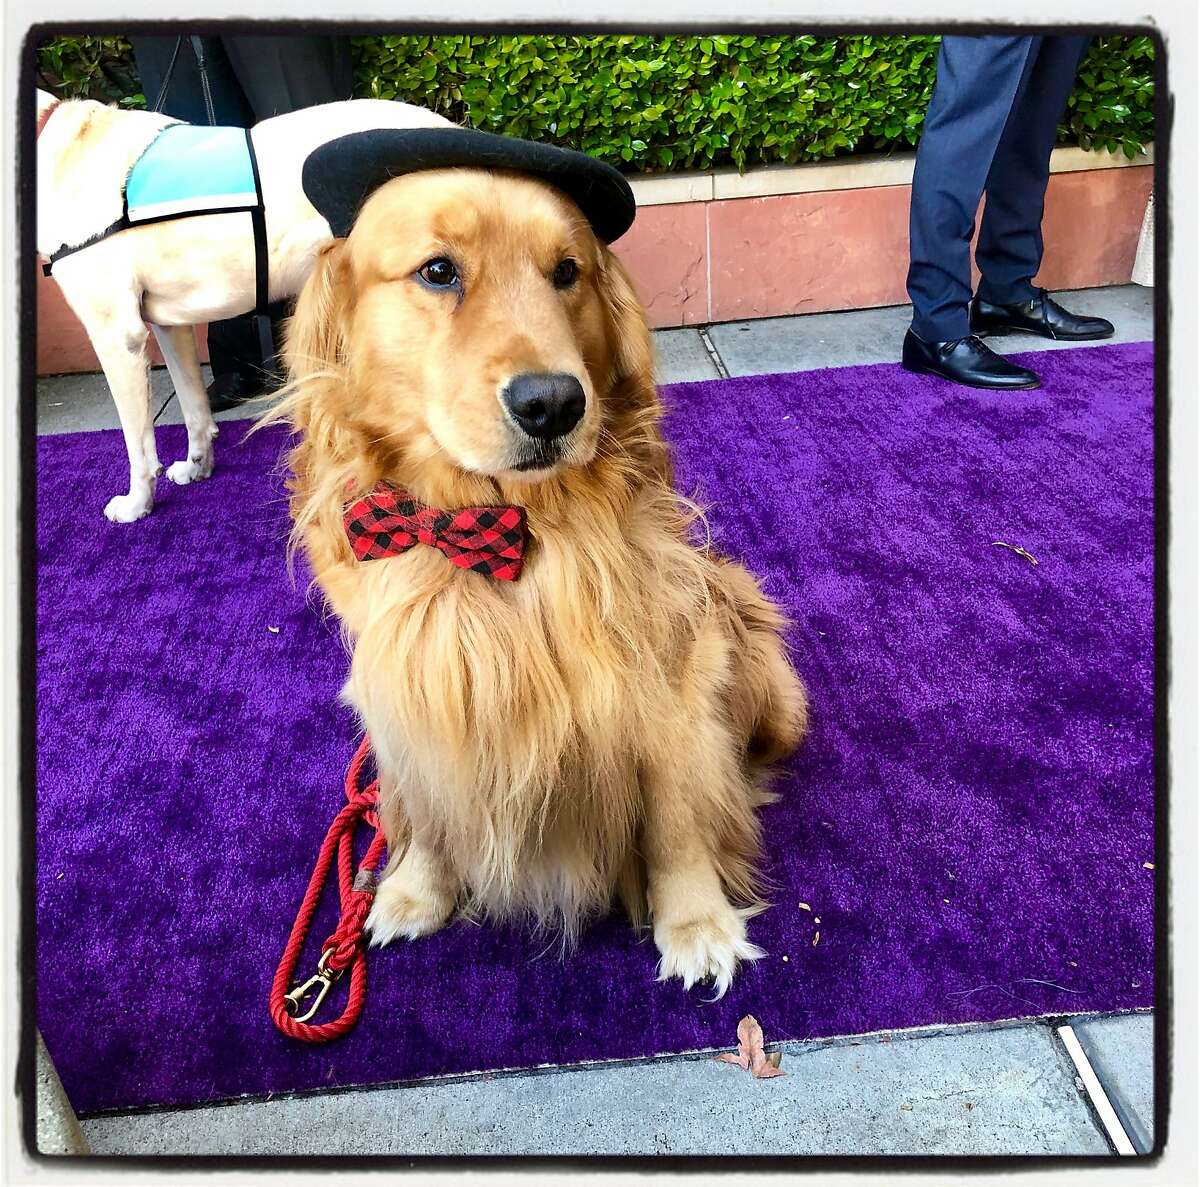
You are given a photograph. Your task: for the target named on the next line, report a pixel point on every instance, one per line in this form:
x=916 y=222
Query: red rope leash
x=344 y=947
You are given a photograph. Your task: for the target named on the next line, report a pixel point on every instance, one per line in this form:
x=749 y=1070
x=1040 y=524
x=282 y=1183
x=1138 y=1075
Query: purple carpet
x=969 y=822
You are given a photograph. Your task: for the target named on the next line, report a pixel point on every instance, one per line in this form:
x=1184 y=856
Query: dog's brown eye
x=566 y=274
x=439 y=274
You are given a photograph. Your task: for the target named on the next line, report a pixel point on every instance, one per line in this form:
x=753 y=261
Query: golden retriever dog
x=598 y=729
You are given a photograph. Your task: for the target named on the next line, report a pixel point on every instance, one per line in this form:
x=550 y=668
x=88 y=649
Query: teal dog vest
x=192 y=170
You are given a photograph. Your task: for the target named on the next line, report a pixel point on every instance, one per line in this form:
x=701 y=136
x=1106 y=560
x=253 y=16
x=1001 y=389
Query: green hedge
x=652 y=104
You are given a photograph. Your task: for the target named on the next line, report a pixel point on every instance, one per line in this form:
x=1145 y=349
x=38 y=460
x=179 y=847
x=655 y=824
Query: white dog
x=173 y=275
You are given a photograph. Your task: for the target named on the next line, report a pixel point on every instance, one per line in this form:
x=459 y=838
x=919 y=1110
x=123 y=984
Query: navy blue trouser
x=990 y=129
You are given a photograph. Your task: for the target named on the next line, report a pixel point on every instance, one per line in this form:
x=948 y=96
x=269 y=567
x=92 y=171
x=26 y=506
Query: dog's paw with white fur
x=191 y=469
x=706 y=946
x=414 y=900
x=128 y=508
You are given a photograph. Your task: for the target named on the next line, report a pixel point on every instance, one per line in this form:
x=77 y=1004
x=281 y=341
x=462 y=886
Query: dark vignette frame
x=25 y=207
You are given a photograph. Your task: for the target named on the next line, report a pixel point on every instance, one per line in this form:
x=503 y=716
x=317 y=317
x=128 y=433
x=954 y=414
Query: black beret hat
x=341 y=175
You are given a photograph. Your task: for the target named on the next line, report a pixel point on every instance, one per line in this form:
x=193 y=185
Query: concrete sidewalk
x=864 y=336
x=1003 y=1089
x=78 y=403
x=967 y=1090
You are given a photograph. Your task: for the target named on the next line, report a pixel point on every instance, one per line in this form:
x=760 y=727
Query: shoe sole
x=988 y=387
x=1006 y=331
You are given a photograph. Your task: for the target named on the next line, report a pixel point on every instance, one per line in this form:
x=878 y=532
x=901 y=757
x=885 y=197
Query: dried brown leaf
x=767 y=1072
x=751 y=1034
x=750 y=1039
x=750 y=1055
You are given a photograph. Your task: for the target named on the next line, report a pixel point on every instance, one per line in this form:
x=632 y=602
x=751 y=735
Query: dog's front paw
x=191 y=469
x=703 y=946
x=412 y=901
x=127 y=508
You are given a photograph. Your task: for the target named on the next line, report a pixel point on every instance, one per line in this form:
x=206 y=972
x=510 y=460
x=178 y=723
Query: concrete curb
x=58 y=1129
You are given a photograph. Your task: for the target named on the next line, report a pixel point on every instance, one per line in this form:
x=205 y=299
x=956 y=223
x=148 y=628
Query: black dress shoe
x=964 y=360
x=230 y=390
x=1041 y=315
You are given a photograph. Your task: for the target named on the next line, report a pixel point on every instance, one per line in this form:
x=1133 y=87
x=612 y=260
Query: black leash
x=202 y=66
x=166 y=82
x=258 y=223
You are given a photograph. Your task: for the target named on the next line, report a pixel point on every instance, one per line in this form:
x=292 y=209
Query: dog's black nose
x=545 y=405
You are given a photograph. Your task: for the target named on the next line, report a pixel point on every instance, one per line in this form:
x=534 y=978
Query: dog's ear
x=630 y=351
x=316 y=333
x=632 y=407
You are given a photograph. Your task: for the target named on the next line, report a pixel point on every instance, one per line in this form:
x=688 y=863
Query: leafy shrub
x=1112 y=105
x=90 y=68
x=653 y=103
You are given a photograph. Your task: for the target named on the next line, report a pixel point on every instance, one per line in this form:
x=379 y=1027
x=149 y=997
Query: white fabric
x=1143 y=262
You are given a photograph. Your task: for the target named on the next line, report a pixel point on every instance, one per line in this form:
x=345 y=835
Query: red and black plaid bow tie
x=487 y=540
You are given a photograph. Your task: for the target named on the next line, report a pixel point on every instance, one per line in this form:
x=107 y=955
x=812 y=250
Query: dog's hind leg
x=178 y=345
x=768 y=704
x=120 y=344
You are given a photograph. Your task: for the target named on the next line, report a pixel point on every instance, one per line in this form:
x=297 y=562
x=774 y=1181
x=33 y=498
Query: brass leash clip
x=321 y=981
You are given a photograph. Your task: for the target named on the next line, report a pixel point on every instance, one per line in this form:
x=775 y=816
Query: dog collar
x=488 y=540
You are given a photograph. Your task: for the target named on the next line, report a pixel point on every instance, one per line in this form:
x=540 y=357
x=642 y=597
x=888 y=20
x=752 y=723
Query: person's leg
x=282 y=74
x=184 y=98
x=979 y=81
x=277 y=75
x=235 y=355
x=1009 y=251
